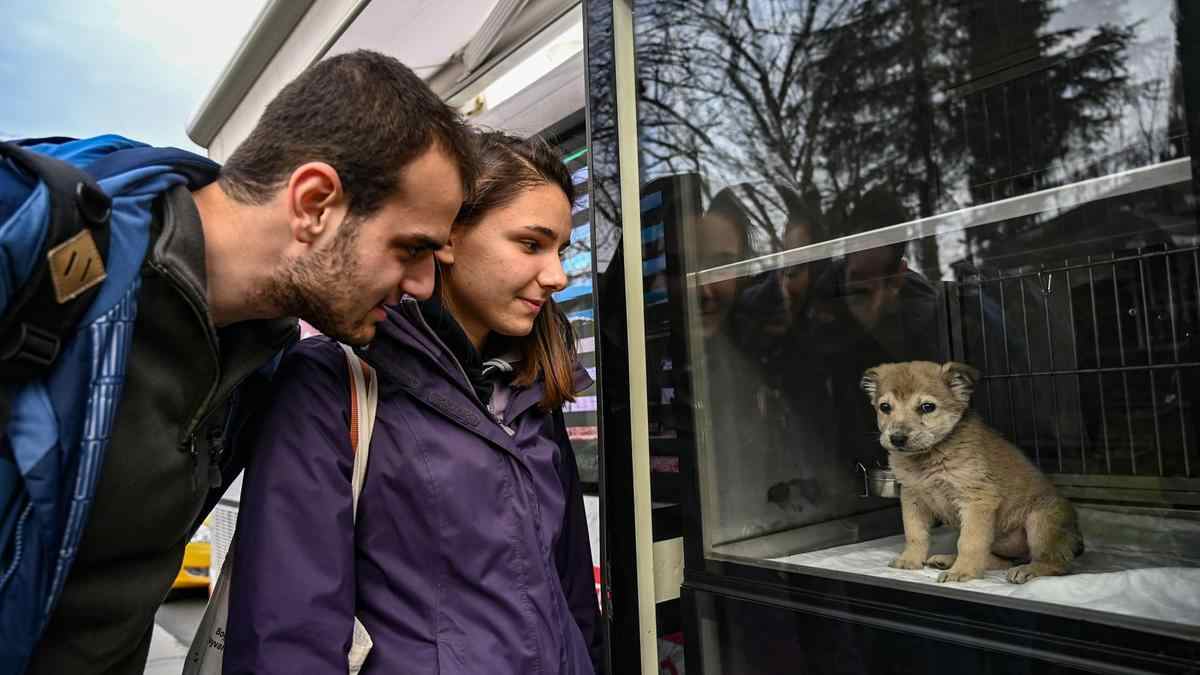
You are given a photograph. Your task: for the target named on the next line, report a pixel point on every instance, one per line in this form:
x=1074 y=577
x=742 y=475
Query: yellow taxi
x=197 y=558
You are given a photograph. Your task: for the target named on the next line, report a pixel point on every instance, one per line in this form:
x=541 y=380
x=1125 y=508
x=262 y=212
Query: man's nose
x=898 y=439
x=418 y=280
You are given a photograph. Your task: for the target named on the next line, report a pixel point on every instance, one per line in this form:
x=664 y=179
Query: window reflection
x=1003 y=184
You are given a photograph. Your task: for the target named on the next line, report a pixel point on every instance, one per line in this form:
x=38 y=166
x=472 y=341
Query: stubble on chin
x=322 y=300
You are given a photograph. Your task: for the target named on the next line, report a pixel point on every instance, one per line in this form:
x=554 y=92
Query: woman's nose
x=553 y=276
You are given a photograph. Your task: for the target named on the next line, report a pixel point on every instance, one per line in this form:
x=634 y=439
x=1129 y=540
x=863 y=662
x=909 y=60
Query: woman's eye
x=530 y=245
x=927 y=408
x=885 y=408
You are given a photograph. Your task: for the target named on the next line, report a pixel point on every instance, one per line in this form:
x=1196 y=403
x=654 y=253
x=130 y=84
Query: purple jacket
x=471 y=550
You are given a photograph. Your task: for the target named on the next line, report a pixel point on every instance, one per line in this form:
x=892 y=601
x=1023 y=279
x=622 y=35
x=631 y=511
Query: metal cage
x=1092 y=366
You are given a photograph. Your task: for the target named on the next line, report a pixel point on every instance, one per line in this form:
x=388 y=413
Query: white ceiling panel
x=422 y=34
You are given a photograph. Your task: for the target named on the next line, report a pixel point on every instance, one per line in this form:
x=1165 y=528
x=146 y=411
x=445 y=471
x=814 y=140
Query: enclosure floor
x=1139 y=565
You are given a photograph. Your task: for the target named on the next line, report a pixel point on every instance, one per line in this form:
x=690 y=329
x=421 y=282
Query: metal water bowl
x=879 y=481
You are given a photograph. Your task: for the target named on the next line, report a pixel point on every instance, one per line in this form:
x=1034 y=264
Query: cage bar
x=984 y=337
x=1178 y=373
x=1150 y=362
x=1037 y=448
x=1099 y=364
x=1012 y=400
x=1046 y=286
x=1124 y=373
x=1078 y=383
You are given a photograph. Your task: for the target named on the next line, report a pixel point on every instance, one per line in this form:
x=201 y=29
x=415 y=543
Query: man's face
x=873 y=285
x=794 y=282
x=373 y=261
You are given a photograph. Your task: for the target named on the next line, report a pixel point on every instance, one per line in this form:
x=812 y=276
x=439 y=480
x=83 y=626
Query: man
x=330 y=209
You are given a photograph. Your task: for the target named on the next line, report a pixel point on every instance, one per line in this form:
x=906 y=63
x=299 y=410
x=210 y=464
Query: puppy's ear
x=961 y=379
x=870 y=382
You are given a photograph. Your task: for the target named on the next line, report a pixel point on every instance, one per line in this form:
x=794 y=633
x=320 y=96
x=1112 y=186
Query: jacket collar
x=179 y=248
x=525 y=398
x=178 y=254
x=450 y=333
x=436 y=377
x=410 y=358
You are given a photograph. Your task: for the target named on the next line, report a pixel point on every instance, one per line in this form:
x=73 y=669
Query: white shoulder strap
x=364 y=398
x=205 y=657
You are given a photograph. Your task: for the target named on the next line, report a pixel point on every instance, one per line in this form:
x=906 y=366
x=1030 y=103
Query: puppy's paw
x=957 y=574
x=906 y=563
x=1022 y=573
x=942 y=561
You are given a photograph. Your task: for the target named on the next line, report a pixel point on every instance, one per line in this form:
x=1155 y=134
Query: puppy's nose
x=898 y=440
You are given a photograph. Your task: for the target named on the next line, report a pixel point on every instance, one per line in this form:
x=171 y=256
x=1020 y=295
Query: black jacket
x=154 y=484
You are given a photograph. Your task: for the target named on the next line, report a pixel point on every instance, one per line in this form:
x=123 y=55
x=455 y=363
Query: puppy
x=954 y=468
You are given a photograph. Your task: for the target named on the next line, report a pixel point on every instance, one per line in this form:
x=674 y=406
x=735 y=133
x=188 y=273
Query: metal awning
x=455 y=46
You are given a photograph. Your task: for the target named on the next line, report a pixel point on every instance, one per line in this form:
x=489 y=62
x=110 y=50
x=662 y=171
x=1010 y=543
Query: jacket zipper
x=216 y=448
x=411 y=304
x=188 y=442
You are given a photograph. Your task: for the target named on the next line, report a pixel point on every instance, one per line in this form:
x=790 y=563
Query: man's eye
x=885 y=408
x=415 y=252
x=927 y=408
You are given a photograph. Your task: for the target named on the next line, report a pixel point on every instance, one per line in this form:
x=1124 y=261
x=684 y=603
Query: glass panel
x=754 y=638
x=578 y=302
x=1002 y=185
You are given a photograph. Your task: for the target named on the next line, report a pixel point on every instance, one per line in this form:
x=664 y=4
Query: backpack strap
x=56 y=295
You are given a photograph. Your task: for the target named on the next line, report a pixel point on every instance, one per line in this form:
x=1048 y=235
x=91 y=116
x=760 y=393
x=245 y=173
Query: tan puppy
x=954 y=468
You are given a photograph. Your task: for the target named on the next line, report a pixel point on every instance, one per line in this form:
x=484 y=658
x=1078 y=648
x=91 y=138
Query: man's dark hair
x=880 y=207
x=365 y=114
x=804 y=212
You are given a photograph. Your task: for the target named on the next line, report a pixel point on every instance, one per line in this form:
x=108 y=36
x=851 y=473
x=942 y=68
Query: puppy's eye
x=885 y=408
x=927 y=408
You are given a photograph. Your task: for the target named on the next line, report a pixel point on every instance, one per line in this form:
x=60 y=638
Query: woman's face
x=718 y=244
x=500 y=272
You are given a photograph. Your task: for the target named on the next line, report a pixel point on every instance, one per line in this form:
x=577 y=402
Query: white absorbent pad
x=1140 y=565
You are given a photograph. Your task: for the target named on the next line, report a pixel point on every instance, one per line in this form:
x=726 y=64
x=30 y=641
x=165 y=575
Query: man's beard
x=322 y=287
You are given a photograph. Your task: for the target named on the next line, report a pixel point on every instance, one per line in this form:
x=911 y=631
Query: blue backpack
x=75 y=220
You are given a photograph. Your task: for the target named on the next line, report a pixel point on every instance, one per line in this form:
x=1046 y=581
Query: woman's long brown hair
x=508 y=166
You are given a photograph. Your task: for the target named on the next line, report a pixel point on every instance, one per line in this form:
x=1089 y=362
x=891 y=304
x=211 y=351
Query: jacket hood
x=406 y=346
x=408 y=354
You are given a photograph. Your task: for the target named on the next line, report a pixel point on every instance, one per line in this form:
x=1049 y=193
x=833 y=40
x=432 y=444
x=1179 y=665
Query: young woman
x=470 y=553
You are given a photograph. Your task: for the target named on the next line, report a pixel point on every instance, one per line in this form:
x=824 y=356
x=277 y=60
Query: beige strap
x=364 y=399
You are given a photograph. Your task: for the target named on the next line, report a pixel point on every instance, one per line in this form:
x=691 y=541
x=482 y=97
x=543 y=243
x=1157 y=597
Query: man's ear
x=961 y=379
x=896 y=281
x=870 y=382
x=314 y=198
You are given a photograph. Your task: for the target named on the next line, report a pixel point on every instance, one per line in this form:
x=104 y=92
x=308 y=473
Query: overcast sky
x=139 y=69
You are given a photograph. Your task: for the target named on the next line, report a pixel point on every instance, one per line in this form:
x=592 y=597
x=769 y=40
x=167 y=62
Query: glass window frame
x=1064 y=632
